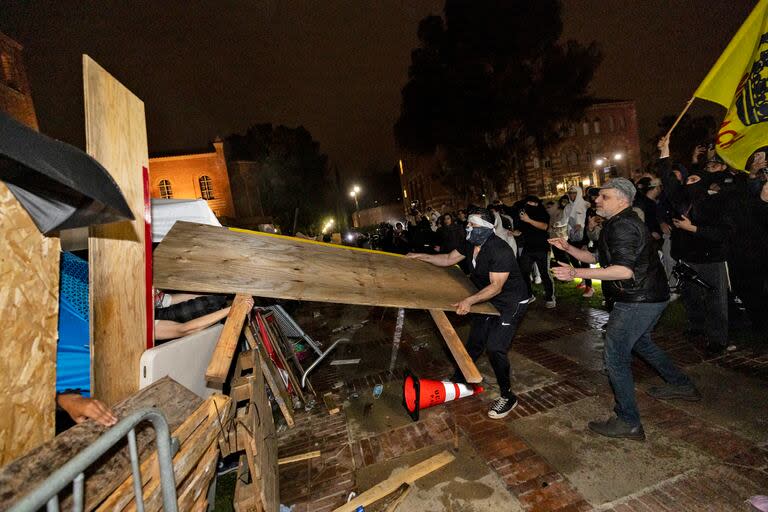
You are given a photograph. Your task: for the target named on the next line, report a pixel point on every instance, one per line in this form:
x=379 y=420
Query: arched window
x=206 y=187
x=585 y=127
x=611 y=126
x=546 y=162
x=588 y=156
x=622 y=123
x=572 y=129
x=597 y=125
x=166 y=192
x=573 y=159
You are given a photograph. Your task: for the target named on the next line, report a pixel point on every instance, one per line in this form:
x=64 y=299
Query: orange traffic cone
x=424 y=393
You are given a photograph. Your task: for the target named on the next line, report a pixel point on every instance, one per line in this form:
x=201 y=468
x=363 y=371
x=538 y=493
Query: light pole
x=353 y=194
x=606 y=162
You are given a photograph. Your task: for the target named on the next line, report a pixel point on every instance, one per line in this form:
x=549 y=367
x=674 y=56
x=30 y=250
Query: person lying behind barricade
x=184 y=326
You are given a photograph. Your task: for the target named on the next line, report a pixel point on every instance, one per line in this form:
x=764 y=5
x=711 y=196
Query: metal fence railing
x=47 y=493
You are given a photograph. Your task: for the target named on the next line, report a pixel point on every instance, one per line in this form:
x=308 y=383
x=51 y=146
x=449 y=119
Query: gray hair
x=624 y=186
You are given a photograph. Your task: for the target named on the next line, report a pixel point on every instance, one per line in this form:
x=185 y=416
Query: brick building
x=194 y=176
x=15 y=93
x=605 y=142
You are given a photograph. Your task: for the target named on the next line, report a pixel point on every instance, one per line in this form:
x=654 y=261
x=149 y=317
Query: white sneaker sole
x=497 y=416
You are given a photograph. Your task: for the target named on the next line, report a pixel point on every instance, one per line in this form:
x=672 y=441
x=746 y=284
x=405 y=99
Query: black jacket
x=708 y=244
x=626 y=241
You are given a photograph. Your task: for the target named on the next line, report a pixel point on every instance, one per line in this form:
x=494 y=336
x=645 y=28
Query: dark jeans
x=493 y=334
x=629 y=329
x=578 y=263
x=541 y=259
x=708 y=311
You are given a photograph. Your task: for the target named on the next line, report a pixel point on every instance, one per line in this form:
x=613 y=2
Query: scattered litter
x=354 y=395
x=316 y=314
x=378 y=389
x=311 y=402
x=350 y=327
x=338 y=385
x=419 y=346
x=339 y=362
x=284 y=508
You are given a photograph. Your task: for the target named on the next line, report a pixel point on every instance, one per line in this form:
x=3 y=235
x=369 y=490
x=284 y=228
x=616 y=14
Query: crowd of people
x=698 y=229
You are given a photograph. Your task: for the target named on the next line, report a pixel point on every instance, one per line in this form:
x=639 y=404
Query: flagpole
x=674 y=125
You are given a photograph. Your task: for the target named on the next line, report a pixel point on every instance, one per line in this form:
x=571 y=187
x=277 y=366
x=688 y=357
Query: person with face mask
x=699 y=238
x=494 y=271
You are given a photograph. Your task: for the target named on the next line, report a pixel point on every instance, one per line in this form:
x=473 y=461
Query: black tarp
x=59 y=185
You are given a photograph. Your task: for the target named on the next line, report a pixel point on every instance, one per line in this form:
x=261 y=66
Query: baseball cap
x=623 y=185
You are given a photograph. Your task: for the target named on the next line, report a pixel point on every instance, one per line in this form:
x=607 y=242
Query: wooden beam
x=212 y=259
x=466 y=365
x=273 y=379
x=297 y=458
x=221 y=360
x=392 y=483
x=116 y=136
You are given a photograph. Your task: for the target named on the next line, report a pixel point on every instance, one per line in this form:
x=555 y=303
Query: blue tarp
x=73 y=354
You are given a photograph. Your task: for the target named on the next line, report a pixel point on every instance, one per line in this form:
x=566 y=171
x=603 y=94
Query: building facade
x=604 y=143
x=194 y=176
x=15 y=92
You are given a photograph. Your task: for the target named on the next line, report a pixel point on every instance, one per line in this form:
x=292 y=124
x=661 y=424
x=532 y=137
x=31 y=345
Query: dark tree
x=489 y=79
x=381 y=185
x=689 y=133
x=291 y=173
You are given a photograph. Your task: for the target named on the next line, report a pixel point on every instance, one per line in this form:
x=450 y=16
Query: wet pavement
x=708 y=455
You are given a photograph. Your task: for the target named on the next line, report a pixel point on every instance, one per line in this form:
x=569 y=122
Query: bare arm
x=168 y=329
x=493 y=289
x=182 y=297
x=440 y=260
x=81 y=408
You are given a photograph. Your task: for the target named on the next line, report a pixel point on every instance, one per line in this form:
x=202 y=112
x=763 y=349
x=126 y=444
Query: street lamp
x=353 y=194
x=608 y=167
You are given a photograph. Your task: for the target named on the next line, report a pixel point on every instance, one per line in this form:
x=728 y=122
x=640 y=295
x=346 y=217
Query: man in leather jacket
x=634 y=279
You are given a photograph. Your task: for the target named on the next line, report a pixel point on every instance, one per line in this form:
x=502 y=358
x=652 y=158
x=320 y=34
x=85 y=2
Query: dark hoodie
x=708 y=244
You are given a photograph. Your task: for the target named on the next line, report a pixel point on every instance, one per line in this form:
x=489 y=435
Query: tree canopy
x=291 y=173
x=488 y=77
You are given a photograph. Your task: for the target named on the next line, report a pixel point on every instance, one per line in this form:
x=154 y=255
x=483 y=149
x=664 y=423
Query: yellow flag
x=739 y=82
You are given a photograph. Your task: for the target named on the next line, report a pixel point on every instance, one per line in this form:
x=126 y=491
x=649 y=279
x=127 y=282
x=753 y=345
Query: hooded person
x=575 y=215
x=504 y=231
x=494 y=271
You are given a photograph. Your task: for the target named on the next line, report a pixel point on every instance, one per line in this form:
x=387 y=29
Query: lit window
x=611 y=126
x=622 y=123
x=597 y=125
x=585 y=127
x=165 y=189
x=573 y=159
x=206 y=187
x=535 y=163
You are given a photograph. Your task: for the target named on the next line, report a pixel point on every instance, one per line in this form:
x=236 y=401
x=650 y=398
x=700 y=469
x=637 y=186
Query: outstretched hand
x=416 y=255
x=564 y=271
x=560 y=243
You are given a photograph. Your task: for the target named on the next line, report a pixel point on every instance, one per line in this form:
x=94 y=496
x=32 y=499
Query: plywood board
x=116 y=137
x=195 y=257
x=29 y=304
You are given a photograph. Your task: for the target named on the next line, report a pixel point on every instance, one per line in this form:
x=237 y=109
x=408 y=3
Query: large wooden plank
x=29 y=304
x=466 y=365
x=24 y=474
x=116 y=136
x=392 y=483
x=194 y=257
x=221 y=359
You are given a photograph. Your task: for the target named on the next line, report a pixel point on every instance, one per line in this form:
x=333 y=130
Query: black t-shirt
x=535 y=239
x=496 y=256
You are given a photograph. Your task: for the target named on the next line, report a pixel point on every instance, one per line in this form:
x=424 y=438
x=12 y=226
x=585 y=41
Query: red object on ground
x=425 y=393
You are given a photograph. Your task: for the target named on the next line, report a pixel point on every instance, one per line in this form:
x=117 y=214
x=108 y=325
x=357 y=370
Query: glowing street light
x=599 y=161
x=353 y=194
x=604 y=160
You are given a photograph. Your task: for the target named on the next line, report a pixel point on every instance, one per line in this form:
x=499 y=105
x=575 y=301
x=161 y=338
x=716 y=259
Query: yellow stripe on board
x=325 y=244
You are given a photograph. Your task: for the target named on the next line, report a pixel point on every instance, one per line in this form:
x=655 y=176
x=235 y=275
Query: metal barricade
x=73 y=471
x=291 y=329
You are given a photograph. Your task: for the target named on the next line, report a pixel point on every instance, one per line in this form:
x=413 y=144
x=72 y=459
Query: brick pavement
x=740 y=468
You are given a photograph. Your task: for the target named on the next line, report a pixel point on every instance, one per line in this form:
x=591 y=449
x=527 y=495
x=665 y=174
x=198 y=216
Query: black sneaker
x=670 y=392
x=617 y=428
x=501 y=407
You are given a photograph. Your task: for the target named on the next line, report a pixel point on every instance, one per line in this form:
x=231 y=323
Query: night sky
x=334 y=66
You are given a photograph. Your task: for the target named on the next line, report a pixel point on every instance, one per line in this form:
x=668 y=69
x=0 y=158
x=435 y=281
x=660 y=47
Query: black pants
x=708 y=311
x=493 y=334
x=541 y=259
